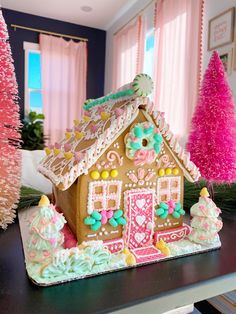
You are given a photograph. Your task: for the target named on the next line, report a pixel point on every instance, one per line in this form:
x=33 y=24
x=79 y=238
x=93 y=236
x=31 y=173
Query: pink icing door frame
x=139 y=207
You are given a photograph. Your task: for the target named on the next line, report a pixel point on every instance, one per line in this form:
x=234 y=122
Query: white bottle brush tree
x=45 y=235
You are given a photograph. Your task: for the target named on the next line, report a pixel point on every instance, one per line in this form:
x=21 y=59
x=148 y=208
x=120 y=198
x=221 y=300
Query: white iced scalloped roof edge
x=182 y=157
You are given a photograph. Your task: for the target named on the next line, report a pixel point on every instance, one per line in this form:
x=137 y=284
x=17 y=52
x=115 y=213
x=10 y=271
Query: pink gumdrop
x=110 y=214
x=171 y=203
x=170 y=210
x=68 y=244
x=104 y=220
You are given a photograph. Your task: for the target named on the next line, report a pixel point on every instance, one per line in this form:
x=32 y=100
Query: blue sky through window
x=35 y=101
x=34 y=70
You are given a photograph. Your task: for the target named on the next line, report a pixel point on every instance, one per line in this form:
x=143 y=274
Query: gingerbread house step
x=147 y=254
x=172 y=235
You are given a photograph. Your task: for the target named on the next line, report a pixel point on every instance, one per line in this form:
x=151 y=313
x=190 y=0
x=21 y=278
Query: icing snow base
x=94 y=257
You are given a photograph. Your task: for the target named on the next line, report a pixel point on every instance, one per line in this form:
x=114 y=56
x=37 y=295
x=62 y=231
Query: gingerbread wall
x=114 y=167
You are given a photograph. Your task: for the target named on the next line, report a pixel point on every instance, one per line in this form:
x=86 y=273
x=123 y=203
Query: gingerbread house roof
x=104 y=120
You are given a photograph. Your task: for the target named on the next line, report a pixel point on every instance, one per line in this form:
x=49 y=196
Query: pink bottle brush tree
x=9 y=132
x=212 y=140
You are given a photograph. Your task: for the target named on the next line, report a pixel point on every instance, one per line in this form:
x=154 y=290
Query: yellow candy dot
x=168 y=171
x=161 y=172
x=105 y=174
x=175 y=171
x=86 y=119
x=78 y=135
x=76 y=122
x=47 y=151
x=56 y=151
x=114 y=173
x=95 y=175
x=105 y=115
x=68 y=155
x=67 y=135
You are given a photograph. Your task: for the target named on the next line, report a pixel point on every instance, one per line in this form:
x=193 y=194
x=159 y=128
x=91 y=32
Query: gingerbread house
x=118 y=174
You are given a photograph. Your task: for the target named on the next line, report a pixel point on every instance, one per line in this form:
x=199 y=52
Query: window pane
x=34 y=70
x=35 y=100
x=149 y=54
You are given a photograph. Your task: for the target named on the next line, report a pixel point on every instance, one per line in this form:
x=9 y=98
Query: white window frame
x=29 y=47
x=168 y=190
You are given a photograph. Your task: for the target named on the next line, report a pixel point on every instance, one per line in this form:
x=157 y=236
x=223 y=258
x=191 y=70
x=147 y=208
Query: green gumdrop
x=163 y=216
x=121 y=221
x=164 y=205
x=118 y=213
x=157 y=148
x=96 y=215
x=96 y=226
x=148 y=130
x=138 y=131
x=112 y=222
x=158 y=138
x=177 y=207
x=89 y=221
x=176 y=215
x=135 y=146
x=182 y=212
x=160 y=211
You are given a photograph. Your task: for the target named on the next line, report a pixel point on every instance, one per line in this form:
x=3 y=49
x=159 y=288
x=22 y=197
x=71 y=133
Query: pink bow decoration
x=106 y=215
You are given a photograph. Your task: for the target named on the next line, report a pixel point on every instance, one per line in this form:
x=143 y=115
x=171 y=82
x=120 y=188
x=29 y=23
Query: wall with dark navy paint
x=96 y=47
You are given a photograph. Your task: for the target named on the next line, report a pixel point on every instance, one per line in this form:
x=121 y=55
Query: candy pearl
x=161 y=172
x=95 y=175
x=175 y=171
x=114 y=173
x=105 y=174
x=168 y=171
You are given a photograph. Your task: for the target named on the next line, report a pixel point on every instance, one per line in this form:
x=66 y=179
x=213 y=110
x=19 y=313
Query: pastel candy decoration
x=142 y=85
x=105 y=216
x=170 y=208
x=94 y=221
x=143 y=143
x=117 y=219
x=47 y=151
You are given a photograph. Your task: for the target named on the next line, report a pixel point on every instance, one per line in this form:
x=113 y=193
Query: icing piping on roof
x=64 y=179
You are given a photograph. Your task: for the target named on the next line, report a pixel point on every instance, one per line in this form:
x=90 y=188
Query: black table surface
x=113 y=291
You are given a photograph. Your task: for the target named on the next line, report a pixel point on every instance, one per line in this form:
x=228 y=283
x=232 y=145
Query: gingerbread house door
x=140 y=214
x=139 y=232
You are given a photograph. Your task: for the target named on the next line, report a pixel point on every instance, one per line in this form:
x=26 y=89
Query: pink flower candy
x=106 y=215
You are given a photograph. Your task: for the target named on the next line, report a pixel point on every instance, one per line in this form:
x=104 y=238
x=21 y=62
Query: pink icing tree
x=9 y=132
x=212 y=140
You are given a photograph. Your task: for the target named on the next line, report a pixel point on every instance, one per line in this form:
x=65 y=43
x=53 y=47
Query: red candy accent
x=69 y=238
x=114 y=245
x=147 y=254
x=172 y=235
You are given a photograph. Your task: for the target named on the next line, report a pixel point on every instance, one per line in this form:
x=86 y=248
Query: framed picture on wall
x=226 y=58
x=221 y=29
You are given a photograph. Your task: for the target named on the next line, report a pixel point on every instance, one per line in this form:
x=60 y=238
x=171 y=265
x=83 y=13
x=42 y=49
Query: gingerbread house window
x=104 y=195
x=168 y=188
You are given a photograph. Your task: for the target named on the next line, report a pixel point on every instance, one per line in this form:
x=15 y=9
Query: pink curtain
x=177 y=60
x=128 y=50
x=64 y=75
